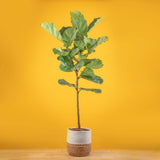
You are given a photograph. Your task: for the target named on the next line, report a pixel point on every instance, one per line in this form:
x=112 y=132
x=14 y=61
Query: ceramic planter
x=78 y=141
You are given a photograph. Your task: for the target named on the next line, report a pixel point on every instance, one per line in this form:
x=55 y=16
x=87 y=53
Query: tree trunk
x=77 y=90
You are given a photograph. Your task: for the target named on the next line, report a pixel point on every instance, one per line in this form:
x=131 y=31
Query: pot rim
x=88 y=129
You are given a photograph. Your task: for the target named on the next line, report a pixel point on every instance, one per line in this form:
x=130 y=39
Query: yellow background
x=35 y=111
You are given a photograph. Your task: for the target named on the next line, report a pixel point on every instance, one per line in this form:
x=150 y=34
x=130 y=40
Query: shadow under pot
x=78 y=141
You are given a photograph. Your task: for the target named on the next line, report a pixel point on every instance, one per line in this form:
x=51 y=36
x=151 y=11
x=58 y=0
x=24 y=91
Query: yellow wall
x=35 y=111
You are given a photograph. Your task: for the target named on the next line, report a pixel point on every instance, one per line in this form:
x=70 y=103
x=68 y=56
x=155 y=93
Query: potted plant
x=75 y=59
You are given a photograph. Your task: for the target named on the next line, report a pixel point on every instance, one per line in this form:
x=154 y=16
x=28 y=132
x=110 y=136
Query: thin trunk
x=78 y=116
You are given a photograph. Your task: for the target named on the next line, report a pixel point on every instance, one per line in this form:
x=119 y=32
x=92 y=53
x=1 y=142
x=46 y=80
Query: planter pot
x=78 y=141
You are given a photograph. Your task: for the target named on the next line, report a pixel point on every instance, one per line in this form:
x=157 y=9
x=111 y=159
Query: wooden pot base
x=78 y=150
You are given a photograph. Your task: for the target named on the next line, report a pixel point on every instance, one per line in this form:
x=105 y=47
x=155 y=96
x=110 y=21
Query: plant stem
x=78 y=115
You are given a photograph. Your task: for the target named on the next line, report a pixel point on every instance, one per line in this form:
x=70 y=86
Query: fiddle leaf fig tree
x=72 y=57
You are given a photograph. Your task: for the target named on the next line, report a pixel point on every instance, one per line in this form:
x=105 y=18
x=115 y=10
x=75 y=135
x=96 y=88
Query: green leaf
x=94 y=23
x=57 y=51
x=93 y=63
x=92 y=43
x=95 y=79
x=100 y=40
x=69 y=36
x=60 y=51
x=79 y=64
x=91 y=89
x=88 y=74
x=79 y=44
x=65 y=59
x=80 y=56
x=65 y=67
x=63 y=29
x=79 y=23
x=75 y=59
x=76 y=14
x=66 y=63
x=64 y=82
x=50 y=27
x=74 y=52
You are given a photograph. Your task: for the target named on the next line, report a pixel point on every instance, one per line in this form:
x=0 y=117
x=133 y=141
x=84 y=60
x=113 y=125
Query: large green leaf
x=79 y=44
x=57 y=51
x=91 y=89
x=69 y=36
x=80 y=56
x=64 y=82
x=93 y=63
x=79 y=23
x=76 y=14
x=65 y=67
x=65 y=59
x=88 y=74
x=66 y=63
x=100 y=40
x=94 y=23
x=79 y=64
x=91 y=44
x=50 y=27
x=60 y=51
x=63 y=29
x=95 y=79
x=74 y=52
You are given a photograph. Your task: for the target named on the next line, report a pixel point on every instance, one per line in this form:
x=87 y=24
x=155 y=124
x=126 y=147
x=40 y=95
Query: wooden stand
x=61 y=154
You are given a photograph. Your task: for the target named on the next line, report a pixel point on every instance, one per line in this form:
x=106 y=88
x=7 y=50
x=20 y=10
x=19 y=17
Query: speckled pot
x=78 y=141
